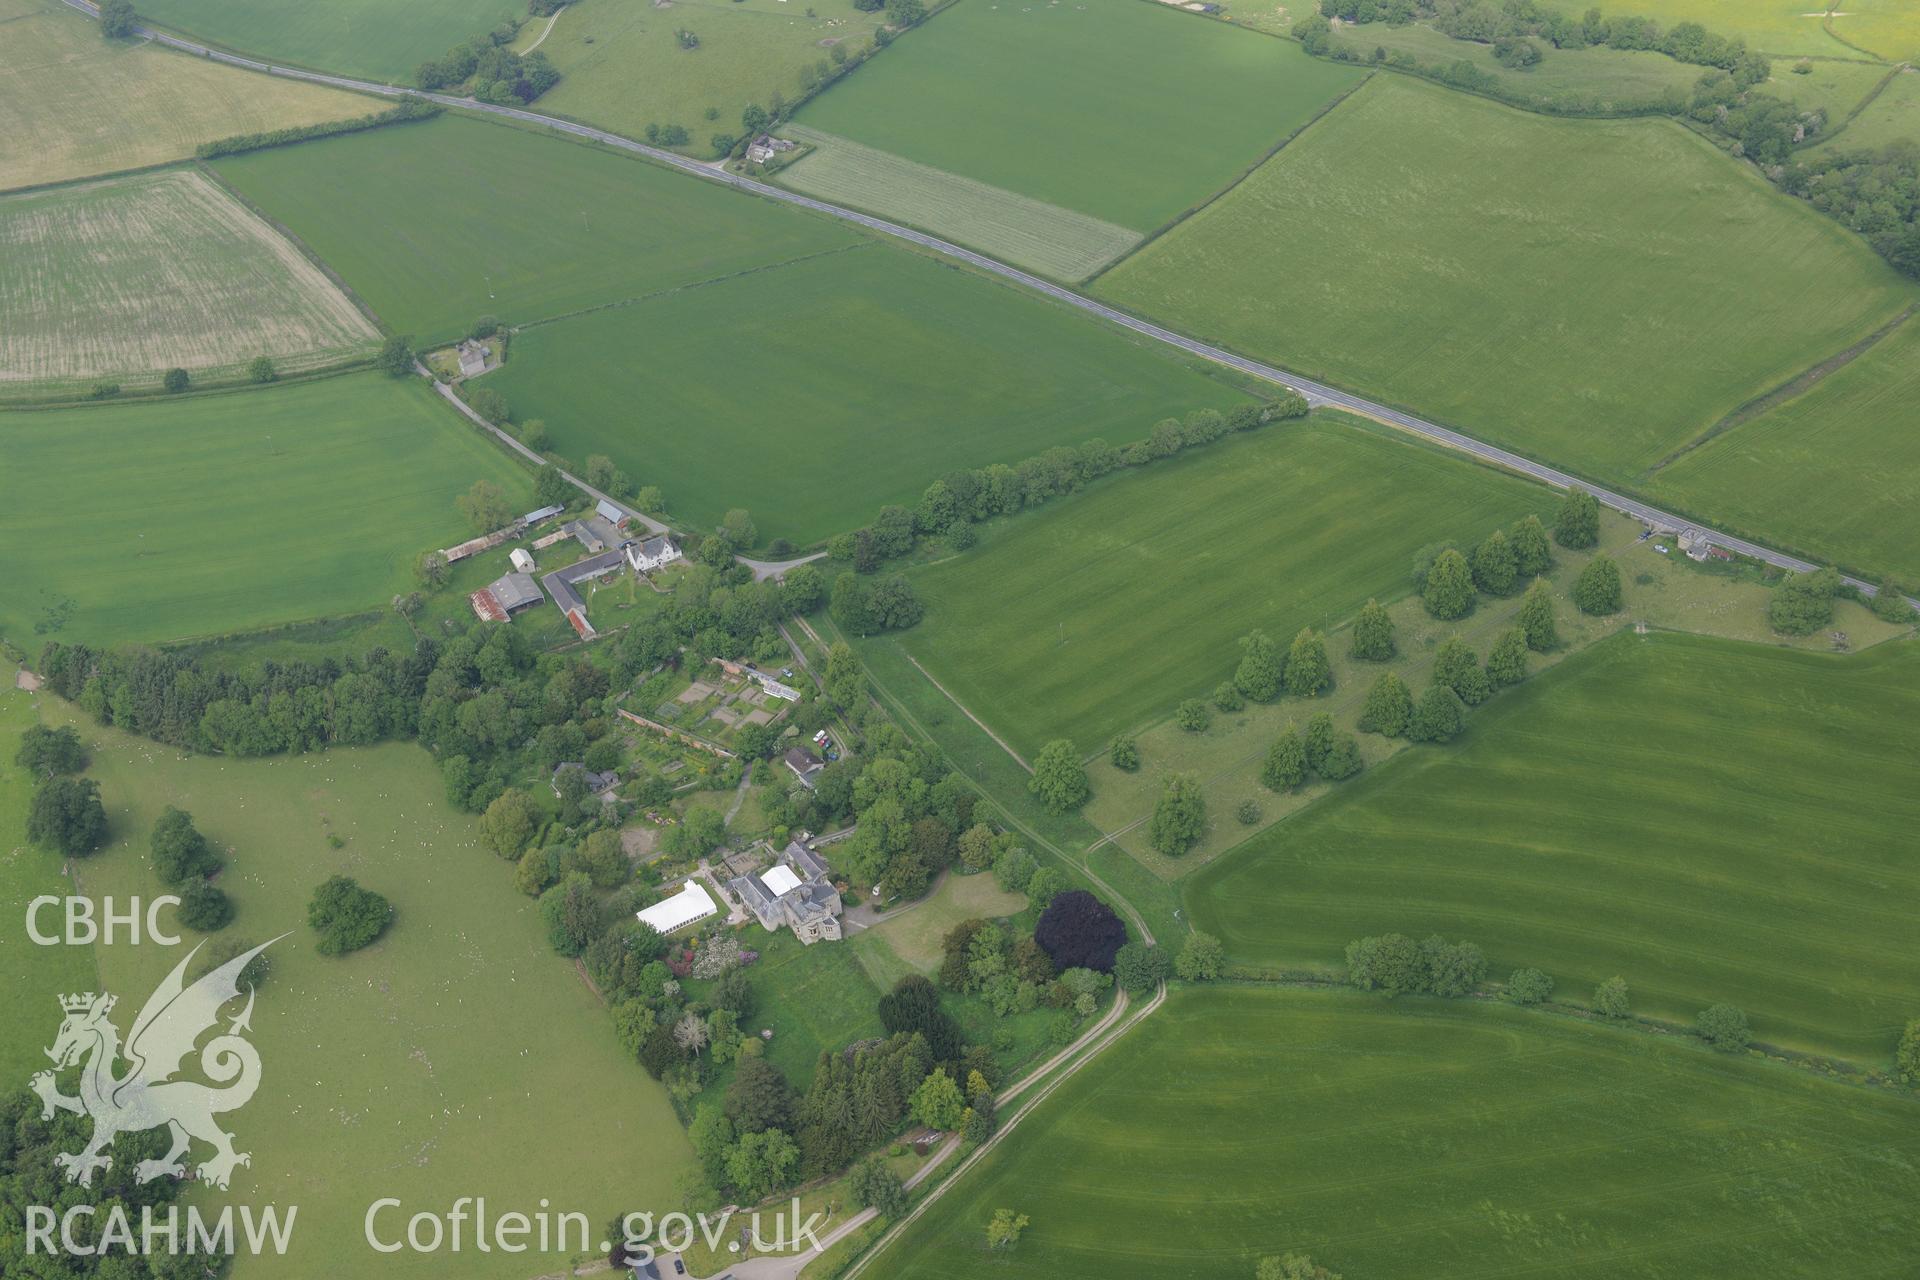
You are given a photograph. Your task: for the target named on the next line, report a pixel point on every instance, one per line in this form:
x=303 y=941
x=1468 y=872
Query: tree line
x=409 y=108
x=491 y=71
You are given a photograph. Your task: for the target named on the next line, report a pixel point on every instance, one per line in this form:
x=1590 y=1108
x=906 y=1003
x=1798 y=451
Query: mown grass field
x=1628 y=285
x=436 y=224
x=77 y=105
x=35 y=976
x=1710 y=821
x=375 y=39
x=1421 y=1139
x=1128 y=112
x=1887 y=28
x=814 y=393
x=622 y=65
x=1835 y=471
x=1111 y=606
x=162 y=520
x=133 y=276
x=1028 y=233
x=408 y=1068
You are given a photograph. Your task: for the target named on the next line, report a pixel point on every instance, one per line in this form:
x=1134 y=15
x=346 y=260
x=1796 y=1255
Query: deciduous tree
x=1495 y=566
x=1610 y=998
x=1059 y=779
x=1724 y=1027
x=1597 y=590
x=1308 y=671
x=1262 y=668
x=1577 y=525
x=1388 y=708
x=1507 y=661
x=180 y=852
x=1532 y=554
x=1201 y=958
x=1438 y=717
x=66 y=816
x=1180 y=815
x=1448 y=593
x=1536 y=617
x=1286 y=764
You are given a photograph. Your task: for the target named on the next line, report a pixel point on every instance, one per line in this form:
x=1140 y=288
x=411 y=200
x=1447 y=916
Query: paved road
x=1317 y=393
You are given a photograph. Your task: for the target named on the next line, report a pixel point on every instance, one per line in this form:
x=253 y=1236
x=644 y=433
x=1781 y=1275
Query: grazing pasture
x=160 y=520
x=1711 y=821
x=622 y=65
x=1835 y=471
x=1424 y=1138
x=1893 y=116
x=1028 y=233
x=435 y=224
x=1115 y=604
x=1127 y=112
x=406 y=1069
x=1628 y=285
x=1888 y=29
x=813 y=393
x=76 y=105
x=373 y=39
x=133 y=276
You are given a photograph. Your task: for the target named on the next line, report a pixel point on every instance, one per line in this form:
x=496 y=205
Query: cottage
x=472 y=357
x=805 y=765
x=682 y=909
x=793 y=893
x=654 y=553
x=1695 y=543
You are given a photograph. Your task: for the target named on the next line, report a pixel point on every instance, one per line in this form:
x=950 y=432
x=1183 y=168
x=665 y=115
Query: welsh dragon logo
x=147 y=1096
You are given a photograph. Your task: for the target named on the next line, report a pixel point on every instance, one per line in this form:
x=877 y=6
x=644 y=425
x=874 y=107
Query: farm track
x=1316 y=393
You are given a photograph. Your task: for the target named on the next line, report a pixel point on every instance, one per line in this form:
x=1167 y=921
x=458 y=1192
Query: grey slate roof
x=515 y=591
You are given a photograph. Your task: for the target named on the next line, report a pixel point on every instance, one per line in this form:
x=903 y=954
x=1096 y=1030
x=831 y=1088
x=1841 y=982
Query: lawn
x=34 y=976
x=1421 y=1139
x=436 y=224
x=622 y=65
x=1125 y=111
x=914 y=935
x=814 y=393
x=1028 y=233
x=1836 y=471
x=457 y=1056
x=228 y=512
x=134 y=276
x=376 y=39
x=77 y=105
x=1597 y=293
x=1711 y=821
x=1159 y=573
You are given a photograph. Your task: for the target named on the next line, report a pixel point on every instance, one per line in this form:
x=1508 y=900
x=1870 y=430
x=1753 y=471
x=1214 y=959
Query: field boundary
x=1325 y=110
x=965 y=711
x=305 y=250
x=1792 y=389
x=637 y=299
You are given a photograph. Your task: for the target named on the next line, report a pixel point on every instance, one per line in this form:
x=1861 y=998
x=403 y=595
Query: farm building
x=561 y=584
x=609 y=511
x=544 y=513
x=505 y=596
x=654 y=553
x=793 y=893
x=682 y=909
x=766 y=147
x=521 y=559
x=595 y=532
x=805 y=765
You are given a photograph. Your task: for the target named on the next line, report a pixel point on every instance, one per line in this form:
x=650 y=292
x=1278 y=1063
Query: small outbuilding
x=522 y=559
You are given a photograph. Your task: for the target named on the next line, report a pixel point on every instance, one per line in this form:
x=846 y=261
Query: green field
x=133 y=276
x=1107 y=610
x=377 y=39
x=1710 y=821
x=1835 y=472
x=1028 y=233
x=1124 y=111
x=77 y=105
x=1627 y=284
x=436 y=224
x=1776 y=27
x=409 y=1068
x=814 y=393
x=622 y=65
x=1444 y=1142
x=1888 y=29
x=219 y=513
